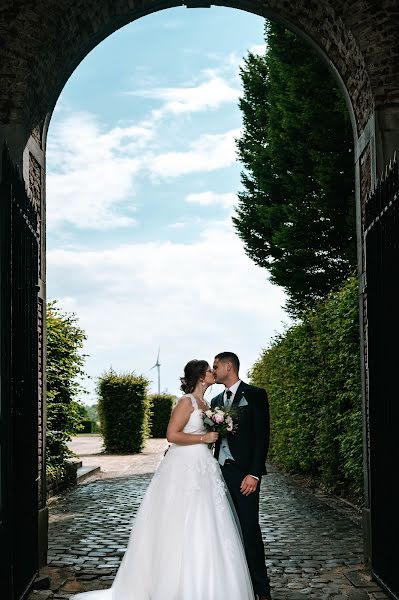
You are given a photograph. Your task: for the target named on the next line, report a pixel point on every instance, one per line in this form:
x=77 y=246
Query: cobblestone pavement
x=313 y=542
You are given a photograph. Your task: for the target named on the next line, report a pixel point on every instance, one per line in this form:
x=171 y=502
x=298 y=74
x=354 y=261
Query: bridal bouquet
x=219 y=420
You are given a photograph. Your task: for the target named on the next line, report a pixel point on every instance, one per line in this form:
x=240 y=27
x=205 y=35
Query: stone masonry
x=42 y=43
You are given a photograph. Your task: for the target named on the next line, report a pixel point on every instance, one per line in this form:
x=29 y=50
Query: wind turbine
x=158 y=366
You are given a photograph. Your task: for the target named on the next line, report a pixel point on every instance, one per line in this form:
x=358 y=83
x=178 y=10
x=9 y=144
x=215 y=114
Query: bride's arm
x=180 y=415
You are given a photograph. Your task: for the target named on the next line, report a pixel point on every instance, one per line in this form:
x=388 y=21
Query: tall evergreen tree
x=296 y=213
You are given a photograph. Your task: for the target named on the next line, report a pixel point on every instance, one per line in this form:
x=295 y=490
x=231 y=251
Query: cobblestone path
x=313 y=544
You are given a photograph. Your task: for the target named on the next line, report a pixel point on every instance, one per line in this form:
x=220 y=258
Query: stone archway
x=43 y=43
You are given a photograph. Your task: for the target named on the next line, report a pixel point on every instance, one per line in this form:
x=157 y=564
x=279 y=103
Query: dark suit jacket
x=250 y=442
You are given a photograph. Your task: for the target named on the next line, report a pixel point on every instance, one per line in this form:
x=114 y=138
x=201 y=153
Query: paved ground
x=313 y=542
x=90 y=451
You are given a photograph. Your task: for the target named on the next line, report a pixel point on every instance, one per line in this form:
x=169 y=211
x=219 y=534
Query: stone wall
x=42 y=43
x=375 y=27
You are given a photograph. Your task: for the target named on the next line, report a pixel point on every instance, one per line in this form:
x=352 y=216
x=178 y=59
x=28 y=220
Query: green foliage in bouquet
x=220 y=420
x=124 y=411
x=162 y=406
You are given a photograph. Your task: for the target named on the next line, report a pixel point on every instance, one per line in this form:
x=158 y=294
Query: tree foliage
x=92 y=412
x=296 y=213
x=312 y=375
x=65 y=361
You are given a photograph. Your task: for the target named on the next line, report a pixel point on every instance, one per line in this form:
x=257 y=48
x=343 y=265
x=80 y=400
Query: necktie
x=229 y=394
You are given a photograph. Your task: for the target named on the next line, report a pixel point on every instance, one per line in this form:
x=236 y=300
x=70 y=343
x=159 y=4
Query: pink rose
x=218 y=417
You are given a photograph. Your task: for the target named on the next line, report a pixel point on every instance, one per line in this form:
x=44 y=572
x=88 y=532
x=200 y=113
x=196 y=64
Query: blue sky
x=142 y=179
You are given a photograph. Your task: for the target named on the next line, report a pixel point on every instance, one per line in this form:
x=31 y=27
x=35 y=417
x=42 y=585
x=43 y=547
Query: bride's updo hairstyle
x=193 y=371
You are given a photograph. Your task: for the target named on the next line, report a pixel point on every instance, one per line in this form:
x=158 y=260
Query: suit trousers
x=247 y=508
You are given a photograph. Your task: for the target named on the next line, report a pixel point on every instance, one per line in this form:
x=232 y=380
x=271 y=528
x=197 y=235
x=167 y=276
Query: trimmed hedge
x=162 y=405
x=312 y=375
x=124 y=411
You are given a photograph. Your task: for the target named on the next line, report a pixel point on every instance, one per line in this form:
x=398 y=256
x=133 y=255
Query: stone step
x=75 y=461
x=85 y=472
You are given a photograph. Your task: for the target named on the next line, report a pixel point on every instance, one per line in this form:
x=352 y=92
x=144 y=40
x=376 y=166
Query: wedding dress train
x=185 y=543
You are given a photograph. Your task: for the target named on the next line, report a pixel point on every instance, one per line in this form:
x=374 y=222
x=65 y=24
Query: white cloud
x=209 y=94
x=191 y=299
x=227 y=200
x=177 y=225
x=208 y=153
x=258 y=49
x=230 y=64
x=91 y=181
x=92 y=171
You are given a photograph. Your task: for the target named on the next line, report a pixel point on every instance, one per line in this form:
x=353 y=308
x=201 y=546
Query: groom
x=242 y=456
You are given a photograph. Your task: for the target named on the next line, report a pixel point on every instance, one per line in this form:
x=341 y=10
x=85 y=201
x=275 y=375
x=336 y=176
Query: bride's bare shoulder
x=184 y=402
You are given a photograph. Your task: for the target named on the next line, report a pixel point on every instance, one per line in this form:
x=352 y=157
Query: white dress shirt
x=233 y=389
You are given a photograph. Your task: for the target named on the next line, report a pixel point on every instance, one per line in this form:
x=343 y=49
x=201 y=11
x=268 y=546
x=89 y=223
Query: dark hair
x=193 y=371
x=229 y=357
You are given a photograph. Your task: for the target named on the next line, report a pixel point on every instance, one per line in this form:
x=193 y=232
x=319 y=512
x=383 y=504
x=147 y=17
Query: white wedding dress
x=185 y=543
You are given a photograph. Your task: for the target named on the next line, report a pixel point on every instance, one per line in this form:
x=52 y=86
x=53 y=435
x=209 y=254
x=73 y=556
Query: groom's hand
x=248 y=485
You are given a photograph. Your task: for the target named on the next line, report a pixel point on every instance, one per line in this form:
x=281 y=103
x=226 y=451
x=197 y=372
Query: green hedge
x=89 y=426
x=64 y=371
x=162 y=405
x=312 y=375
x=124 y=410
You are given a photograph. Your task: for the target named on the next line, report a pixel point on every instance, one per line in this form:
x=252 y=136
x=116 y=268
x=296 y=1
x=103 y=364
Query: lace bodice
x=195 y=423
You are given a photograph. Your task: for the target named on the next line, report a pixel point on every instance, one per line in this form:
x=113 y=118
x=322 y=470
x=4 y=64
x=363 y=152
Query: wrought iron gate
x=19 y=247
x=382 y=270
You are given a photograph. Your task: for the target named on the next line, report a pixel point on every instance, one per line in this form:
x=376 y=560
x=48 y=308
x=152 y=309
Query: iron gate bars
x=381 y=233
x=19 y=253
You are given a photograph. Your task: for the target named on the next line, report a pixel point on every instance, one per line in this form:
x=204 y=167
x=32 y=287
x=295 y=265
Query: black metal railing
x=381 y=242
x=19 y=251
x=384 y=195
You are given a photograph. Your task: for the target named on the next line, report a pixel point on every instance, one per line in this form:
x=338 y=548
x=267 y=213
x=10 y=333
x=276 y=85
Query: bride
x=185 y=543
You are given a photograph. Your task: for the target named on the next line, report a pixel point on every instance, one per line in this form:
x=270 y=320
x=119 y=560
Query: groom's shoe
x=264 y=597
